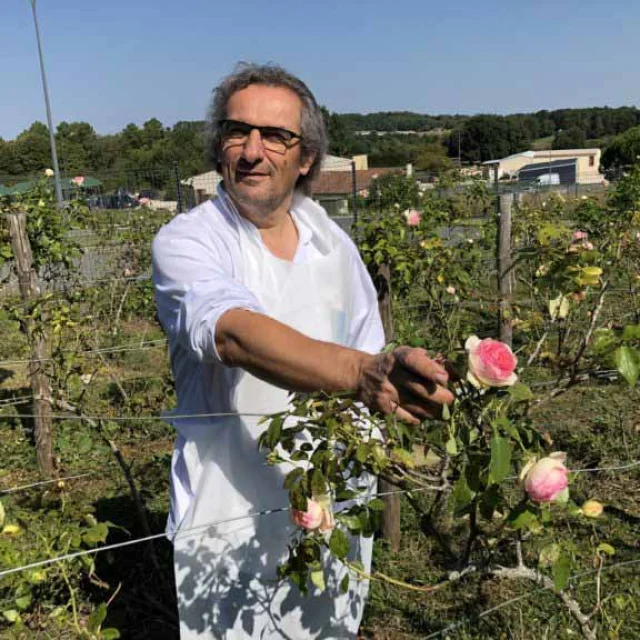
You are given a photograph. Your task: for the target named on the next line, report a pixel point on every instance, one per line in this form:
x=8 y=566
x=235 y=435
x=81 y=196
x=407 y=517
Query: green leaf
x=559 y=307
x=560 y=570
x=35 y=577
x=451 y=447
x=97 y=617
x=461 y=495
x=298 y=499
x=97 y=533
x=352 y=522
x=404 y=457
x=362 y=452
x=506 y=426
x=23 y=602
x=489 y=501
x=603 y=340
x=627 y=361
x=522 y=516
x=2 y=514
x=344 y=583
x=293 y=478
x=345 y=494
x=318 y=484
x=500 y=459
x=376 y=504
x=520 y=392
x=549 y=555
x=274 y=432
x=631 y=332
x=317 y=579
x=110 y=634
x=339 y=544
x=11 y=615
x=605 y=547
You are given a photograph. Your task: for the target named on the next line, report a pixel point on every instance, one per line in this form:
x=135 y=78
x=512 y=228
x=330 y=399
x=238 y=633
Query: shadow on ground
x=145 y=606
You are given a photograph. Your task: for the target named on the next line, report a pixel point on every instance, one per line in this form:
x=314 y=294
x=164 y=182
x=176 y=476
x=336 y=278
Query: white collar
x=299 y=211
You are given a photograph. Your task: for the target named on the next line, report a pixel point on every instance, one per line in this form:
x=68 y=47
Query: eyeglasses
x=273 y=138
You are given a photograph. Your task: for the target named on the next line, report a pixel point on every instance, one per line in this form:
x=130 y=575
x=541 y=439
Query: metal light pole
x=52 y=138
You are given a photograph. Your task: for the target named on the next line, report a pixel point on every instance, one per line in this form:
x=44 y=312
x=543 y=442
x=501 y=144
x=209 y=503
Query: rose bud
x=547 y=480
x=491 y=363
x=592 y=509
x=412 y=217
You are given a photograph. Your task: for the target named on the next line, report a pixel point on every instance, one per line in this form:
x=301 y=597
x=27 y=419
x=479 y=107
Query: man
x=261 y=294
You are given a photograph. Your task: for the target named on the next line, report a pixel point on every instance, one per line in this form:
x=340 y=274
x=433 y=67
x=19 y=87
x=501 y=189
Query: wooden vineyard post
x=29 y=291
x=505 y=275
x=391 y=513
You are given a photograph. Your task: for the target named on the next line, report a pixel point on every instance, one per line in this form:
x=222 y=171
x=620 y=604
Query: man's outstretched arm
x=404 y=381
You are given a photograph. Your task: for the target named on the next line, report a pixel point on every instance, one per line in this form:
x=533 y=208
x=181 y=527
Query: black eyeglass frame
x=261 y=129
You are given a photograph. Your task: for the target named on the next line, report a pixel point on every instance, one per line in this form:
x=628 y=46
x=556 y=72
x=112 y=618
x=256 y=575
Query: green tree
x=32 y=150
x=623 y=151
x=572 y=138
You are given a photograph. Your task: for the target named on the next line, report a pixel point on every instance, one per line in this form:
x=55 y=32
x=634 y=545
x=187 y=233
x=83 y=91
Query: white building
x=587 y=163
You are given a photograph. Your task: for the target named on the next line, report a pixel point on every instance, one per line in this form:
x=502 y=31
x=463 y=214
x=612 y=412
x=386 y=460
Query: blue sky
x=111 y=63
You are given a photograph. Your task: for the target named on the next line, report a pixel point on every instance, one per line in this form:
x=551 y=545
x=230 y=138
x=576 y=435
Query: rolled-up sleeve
x=194 y=286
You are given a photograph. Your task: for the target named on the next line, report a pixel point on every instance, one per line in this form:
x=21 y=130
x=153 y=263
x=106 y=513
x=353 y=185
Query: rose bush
x=472 y=459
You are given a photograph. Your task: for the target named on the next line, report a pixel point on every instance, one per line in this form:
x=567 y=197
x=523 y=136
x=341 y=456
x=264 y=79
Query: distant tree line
x=486 y=137
x=442 y=138
x=399 y=121
x=82 y=150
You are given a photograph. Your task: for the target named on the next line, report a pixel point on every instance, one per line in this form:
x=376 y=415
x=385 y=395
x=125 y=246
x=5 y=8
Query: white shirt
x=197 y=273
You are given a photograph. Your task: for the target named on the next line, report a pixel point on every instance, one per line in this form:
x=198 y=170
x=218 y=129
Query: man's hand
x=404 y=382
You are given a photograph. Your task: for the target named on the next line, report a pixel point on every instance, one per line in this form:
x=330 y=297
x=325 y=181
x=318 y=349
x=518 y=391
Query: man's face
x=257 y=178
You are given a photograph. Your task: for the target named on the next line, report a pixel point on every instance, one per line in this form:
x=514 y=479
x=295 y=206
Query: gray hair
x=313 y=130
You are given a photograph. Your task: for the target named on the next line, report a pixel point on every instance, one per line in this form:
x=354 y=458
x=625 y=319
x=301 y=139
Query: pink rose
x=328 y=522
x=311 y=519
x=413 y=217
x=580 y=235
x=587 y=245
x=491 y=363
x=78 y=181
x=317 y=517
x=364 y=193
x=547 y=480
x=144 y=202
x=451 y=291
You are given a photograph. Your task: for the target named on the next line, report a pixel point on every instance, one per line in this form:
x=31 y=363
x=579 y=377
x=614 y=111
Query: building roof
x=341 y=182
x=554 y=164
x=336 y=163
x=546 y=154
x=208 y=177
x=522 y=154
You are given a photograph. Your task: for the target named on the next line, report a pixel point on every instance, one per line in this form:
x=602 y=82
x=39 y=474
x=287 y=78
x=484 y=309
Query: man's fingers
x=405 y=416
x=420 y=364
x=423 y=390
x=423 y=411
